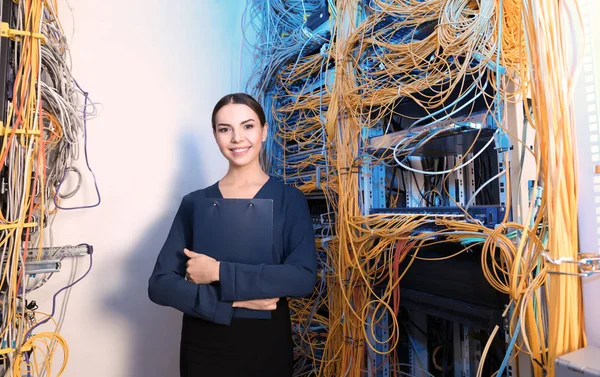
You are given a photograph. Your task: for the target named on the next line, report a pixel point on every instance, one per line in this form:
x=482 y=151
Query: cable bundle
x=552 y=84
x=41 y=140
x=422 y=67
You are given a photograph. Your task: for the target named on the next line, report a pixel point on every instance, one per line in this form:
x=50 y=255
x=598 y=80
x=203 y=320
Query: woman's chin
x=241 y=161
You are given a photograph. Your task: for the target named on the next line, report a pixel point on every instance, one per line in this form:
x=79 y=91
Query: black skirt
x=246 y=348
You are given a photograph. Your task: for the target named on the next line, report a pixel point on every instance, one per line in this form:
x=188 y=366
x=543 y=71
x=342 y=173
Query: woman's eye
x=223 y=129
x=248 y=126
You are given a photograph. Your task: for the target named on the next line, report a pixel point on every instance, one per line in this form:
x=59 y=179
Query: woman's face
x=239 y=134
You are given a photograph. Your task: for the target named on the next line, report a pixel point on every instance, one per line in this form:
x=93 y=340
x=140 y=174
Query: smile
x=240 y=151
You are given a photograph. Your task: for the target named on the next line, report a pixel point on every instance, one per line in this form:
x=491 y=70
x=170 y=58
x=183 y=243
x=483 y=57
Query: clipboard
x=235 y=230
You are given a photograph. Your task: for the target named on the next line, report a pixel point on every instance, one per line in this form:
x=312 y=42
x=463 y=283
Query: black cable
x=427 y=202
x=392 y=188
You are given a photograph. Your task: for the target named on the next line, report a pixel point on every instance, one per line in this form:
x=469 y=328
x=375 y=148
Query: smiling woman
x=240 y=127
x=236 y=316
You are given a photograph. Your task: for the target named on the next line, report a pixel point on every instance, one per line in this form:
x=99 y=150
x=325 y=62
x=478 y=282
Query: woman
x=236 y=319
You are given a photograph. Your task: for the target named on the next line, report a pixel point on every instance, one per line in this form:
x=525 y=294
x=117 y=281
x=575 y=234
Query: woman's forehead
x=234 y=112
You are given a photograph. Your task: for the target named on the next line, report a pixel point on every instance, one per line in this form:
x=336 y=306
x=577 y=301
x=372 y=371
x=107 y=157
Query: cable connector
x=502 y=141
x=537 y=196
x=7 y=32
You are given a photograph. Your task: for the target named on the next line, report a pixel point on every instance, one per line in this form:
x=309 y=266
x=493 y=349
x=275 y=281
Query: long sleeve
x=295 y=277
x=167 y=285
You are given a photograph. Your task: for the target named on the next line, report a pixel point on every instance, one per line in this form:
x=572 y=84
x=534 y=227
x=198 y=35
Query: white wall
x=589 y=198
x=158 y=68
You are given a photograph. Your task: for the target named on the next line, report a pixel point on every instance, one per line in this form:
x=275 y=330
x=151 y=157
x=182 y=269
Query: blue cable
x=511 y=345
x=500 y=15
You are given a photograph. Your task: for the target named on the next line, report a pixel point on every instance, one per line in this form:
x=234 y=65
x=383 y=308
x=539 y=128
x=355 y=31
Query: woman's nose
x=236 y=137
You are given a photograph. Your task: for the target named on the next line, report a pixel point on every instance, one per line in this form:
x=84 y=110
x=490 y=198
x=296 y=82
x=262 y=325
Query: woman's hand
x=262 y=304
x=201 y=269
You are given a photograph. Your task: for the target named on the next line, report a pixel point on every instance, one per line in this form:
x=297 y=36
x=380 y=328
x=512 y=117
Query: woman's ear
x=265 y=132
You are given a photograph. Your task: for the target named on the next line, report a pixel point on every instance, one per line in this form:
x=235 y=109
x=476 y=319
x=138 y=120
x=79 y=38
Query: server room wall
x=157 y=67
x=587 y=220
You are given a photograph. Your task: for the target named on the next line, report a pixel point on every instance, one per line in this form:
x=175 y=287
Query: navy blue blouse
x=293 y=241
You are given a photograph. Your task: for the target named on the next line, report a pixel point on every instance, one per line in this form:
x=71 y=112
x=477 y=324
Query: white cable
x=412 y=138
x=446 y=171
x=482 y=187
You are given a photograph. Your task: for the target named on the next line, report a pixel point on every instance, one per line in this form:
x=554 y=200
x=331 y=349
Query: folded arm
x=167 y=285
